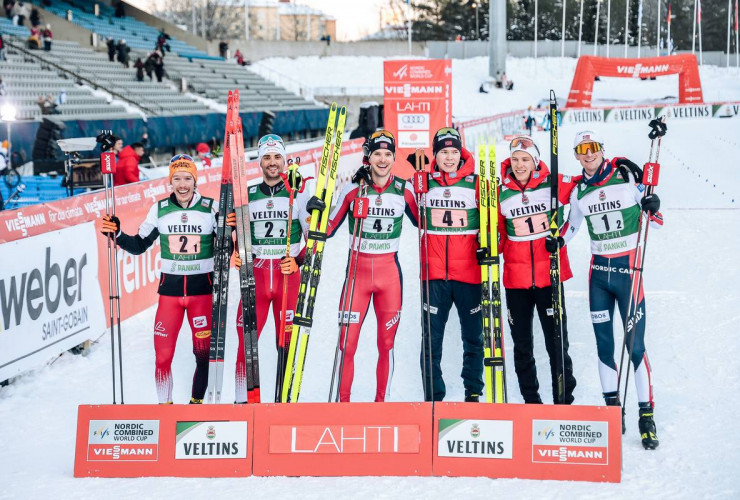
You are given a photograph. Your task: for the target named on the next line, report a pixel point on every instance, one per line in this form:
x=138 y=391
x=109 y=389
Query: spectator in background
x=204 y=154
x=149 y=65
x=111 y=49
x=21 y=10
x=46 y=37
x=239 y=58
x=8 y=4
x=123 y=50
x=51 y=104
x=127 y=166
x=34 y=17
x=223 y=49
x=158 y=61
x=162 y=41
x=34 y=40
x=120 y=10
x=47 y=106
x=62 y=97
x=139 y=65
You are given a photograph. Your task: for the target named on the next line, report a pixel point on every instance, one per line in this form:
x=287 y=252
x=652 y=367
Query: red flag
x=698 y=18
x=669 y=14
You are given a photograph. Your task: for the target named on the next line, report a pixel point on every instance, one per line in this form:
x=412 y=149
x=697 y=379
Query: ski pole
x=289 y=181
x=361 y=210
x=650 y=180
x=108 y=168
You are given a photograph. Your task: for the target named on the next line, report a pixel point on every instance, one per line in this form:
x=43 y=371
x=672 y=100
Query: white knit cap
x=526 y=144
x=271 y=143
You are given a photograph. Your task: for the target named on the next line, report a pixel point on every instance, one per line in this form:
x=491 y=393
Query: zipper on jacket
x=185 y=285
x=531 y=256
x=447 y=257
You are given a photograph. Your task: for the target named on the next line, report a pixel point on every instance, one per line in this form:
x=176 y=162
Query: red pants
x=167 y=323
x=378 y=277
x=268 y=290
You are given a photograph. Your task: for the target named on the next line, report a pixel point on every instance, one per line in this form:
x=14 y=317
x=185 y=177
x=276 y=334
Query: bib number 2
x=184 y=244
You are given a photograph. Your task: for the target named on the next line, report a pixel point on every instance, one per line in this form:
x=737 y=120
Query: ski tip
x=333 y=106
x=342 y=110
x=552 y=96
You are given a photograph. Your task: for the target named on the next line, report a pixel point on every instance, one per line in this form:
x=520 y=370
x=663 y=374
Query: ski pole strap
x=658 y=128
x=317 y=235
x=650 y=174
x=421 y=182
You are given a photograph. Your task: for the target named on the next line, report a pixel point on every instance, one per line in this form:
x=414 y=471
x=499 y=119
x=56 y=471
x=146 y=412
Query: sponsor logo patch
x=600 y=316
x=200 y=322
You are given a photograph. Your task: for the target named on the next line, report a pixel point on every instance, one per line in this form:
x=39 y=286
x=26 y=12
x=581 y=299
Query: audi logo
x=413 y=119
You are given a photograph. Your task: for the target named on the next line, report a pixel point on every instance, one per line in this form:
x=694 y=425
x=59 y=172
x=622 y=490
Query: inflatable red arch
x=589 y=67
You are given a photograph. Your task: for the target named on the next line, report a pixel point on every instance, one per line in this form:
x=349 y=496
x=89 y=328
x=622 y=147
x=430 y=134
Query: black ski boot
x=196 y=401
x=473 y=398
x=648 y=432
x=612 y=399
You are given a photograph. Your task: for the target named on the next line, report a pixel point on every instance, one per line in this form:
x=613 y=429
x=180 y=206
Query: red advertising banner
x=330 y=439
x=577 y=443
x=589 y=67
x=417 y=102
x=164 y=440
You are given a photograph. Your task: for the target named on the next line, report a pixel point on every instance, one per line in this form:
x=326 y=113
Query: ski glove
x=231 y=219
x=363 y=174
x=288 y=265
x=109 y=226
x=481 y=254
x=651 y=203
x=552 y=244
x=315 y=203
x=624 y=165
x=412 y=160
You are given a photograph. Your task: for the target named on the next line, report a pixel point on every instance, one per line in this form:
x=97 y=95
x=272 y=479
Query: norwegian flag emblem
x=448 y=143
x=586 y=137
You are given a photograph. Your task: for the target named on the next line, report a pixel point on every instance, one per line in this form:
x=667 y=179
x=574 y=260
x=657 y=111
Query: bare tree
x=220 y=19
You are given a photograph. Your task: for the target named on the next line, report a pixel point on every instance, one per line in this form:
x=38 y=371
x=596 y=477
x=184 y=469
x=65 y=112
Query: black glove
x=552 y=244
x=363 y=174
x=315 y=203
x=651 y=203
x=624 y=165
x=412 y=160
x=481 y=254
x=110 y=225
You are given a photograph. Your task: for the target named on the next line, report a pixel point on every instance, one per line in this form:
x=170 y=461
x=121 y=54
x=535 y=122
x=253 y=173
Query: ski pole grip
x=108 y=162
x=361 y=208
x=651 y=172
x=421 y=182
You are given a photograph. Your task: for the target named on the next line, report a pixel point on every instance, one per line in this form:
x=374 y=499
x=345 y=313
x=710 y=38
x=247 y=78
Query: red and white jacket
x=524 y=223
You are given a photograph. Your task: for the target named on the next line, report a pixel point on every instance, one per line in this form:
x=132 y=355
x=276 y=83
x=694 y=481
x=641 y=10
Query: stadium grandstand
x=74 y=90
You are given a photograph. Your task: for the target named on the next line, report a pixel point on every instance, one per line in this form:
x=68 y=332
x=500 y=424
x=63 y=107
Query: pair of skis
x=311 y=269
x=494 y=373
x=233 y=198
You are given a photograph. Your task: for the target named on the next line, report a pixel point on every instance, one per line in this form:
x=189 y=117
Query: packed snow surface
x=691 y=283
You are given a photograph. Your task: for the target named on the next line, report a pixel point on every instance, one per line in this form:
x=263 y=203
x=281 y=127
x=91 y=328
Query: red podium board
x=577 y=443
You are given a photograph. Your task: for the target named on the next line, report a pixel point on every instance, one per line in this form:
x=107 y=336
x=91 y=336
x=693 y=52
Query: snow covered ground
x=691 y=282
x=532 y=81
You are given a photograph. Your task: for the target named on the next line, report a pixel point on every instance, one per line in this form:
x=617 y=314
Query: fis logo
x=101 y=433
x=546 y=433
x=401 y=72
